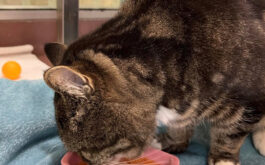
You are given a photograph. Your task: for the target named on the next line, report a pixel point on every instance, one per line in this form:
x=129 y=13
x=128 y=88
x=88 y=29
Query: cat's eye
x=73 y=112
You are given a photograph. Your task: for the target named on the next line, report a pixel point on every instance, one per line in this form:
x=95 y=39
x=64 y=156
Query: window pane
x=104 y=4
x=27 y=4
x=51 y=4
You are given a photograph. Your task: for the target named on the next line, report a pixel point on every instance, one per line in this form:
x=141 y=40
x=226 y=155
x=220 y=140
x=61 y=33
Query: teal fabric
x=28 y=134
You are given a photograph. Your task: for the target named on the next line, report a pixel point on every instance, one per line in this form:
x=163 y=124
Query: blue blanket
x=28 y=134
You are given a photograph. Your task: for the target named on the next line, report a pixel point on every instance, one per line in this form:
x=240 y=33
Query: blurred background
x=35 y=22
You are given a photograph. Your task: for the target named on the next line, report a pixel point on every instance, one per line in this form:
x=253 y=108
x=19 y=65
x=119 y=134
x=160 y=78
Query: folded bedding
x=31 y=67
x=28 y=134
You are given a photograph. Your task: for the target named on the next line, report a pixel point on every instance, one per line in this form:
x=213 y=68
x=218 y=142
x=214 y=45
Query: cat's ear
x=55 y=52
x=66 y=80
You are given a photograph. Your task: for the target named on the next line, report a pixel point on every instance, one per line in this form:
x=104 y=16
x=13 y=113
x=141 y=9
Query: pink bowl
x=71 y=158
x=157 y=156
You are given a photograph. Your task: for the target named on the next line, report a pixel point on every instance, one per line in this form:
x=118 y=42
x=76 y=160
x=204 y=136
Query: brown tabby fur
x=203 y=58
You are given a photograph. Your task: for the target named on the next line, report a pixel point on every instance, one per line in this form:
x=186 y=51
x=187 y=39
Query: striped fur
x=202 y=58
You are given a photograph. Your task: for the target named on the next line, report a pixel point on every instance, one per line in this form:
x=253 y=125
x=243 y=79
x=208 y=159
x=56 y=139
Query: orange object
x=83 y=163
x=11 y=70
x=140 y=161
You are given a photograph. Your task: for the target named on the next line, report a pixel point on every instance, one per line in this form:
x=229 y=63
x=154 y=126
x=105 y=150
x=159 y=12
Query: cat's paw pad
x=259 y=141
x=222 y=162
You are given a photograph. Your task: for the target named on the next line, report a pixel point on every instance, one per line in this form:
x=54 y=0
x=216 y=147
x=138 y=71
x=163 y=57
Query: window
x=27 y=4
x=51 y=4
x=103 y=4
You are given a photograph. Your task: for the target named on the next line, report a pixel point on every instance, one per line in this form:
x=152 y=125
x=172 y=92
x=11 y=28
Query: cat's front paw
x=174 y=143
x=212 y=161
x=176 y=148
x=259 y=141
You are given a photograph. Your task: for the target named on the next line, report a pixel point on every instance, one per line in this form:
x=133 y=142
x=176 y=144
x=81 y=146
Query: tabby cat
x=201 y=59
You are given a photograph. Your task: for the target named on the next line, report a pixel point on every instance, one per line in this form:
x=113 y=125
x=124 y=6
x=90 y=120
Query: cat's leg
x=259 y=137
x=230 y=126
x=173 y=136
x=225 y=146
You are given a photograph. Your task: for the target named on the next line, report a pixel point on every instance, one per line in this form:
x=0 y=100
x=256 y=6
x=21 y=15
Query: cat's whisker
x=53 y=147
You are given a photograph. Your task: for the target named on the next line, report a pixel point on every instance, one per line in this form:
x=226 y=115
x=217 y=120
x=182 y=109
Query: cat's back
x=207 y=28
x=222 y=41
x=228 y=41
x=226 y=44
x=213 y=36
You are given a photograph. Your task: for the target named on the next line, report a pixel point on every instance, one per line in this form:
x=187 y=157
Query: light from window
x=51 y=4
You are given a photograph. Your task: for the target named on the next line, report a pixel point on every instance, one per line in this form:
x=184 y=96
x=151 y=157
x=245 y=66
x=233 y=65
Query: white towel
x=32 y=67
x=15 y=50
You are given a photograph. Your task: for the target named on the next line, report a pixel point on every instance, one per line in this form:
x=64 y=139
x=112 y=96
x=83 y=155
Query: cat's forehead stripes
x=77 y=118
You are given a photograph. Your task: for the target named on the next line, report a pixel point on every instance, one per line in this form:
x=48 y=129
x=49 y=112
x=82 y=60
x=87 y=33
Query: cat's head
x=97 y=114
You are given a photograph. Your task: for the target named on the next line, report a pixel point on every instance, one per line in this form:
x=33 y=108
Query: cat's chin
x=125 y=157
x=117 y=159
